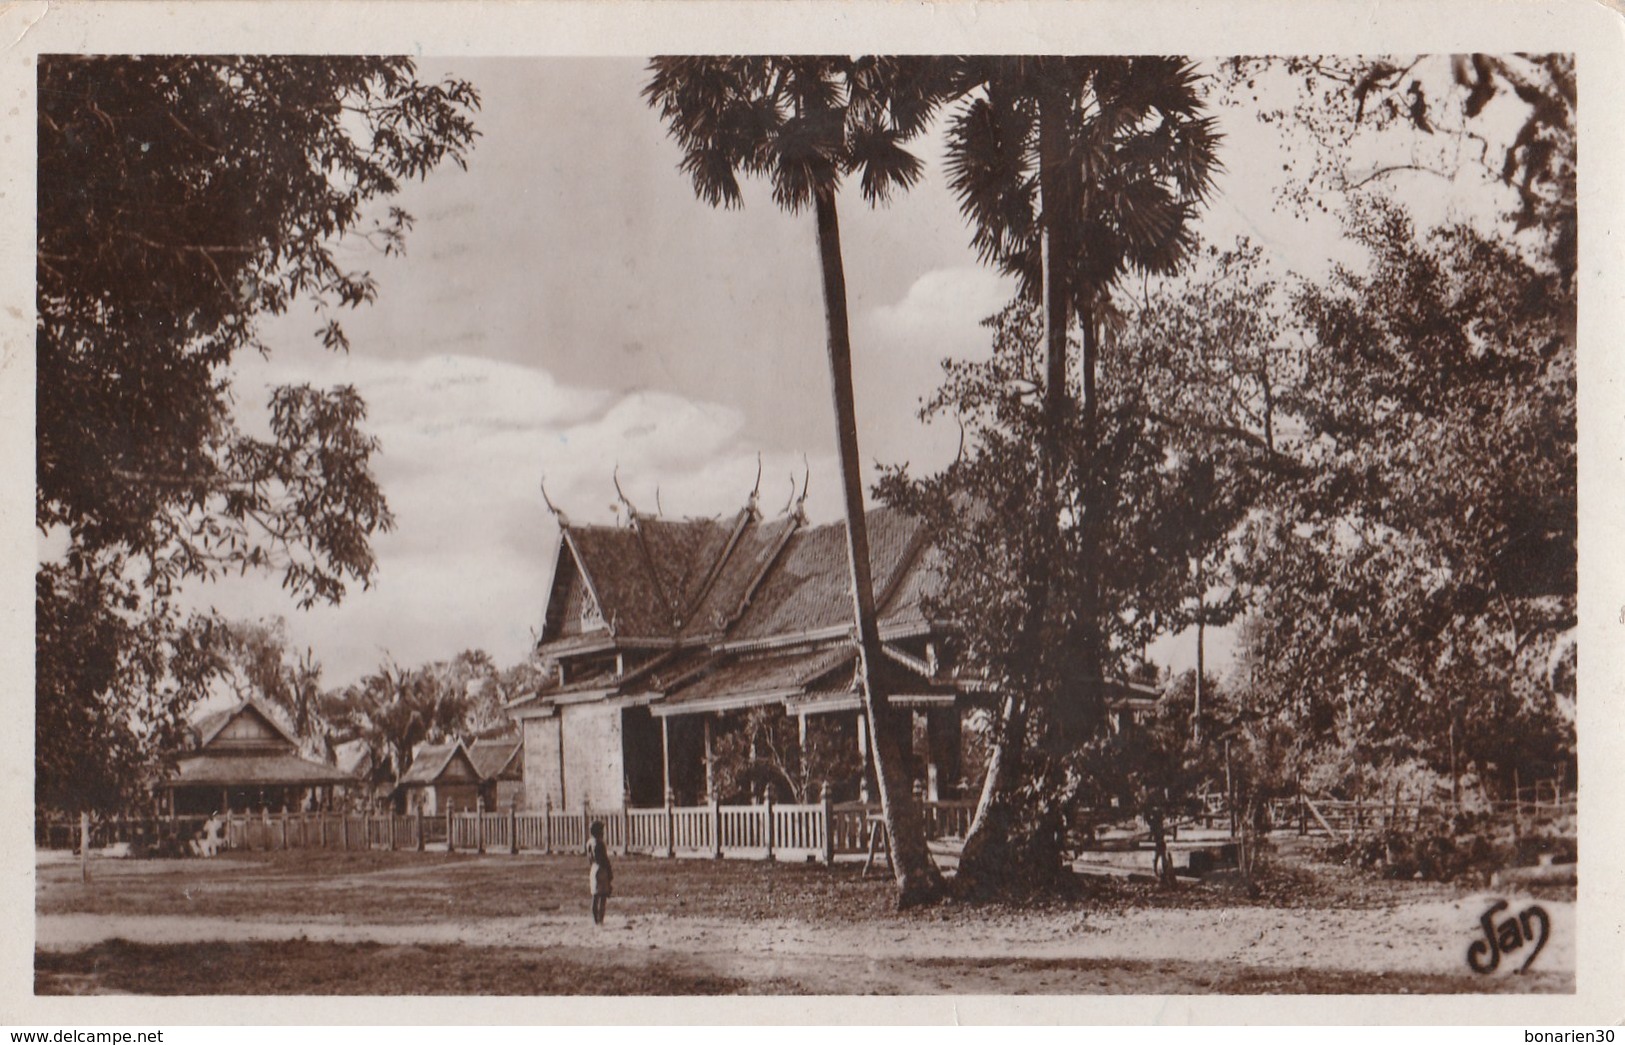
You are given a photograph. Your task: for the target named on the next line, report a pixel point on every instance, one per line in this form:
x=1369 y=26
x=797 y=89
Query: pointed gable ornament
x=564 y=520
x=754 y=504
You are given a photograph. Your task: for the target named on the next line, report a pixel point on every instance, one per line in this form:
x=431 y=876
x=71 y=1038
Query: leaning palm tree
x=805 y=124
x=1073 y=172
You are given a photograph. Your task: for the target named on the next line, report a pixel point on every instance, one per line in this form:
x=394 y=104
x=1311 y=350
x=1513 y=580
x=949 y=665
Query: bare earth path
x=1383 y=943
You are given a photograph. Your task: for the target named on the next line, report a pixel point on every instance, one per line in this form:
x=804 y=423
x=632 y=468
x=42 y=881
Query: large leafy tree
x=180 y=200
x=1073 y=172
x=1418 y=589
x=979 y=514
x=1427 y=573
x=1210 y=355
x=806 y=124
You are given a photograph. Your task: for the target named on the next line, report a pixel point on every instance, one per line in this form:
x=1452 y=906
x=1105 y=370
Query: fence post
x=513 y=824
x=479 y=825
x=716 y=827
x=671 y=828
x=344 y=830
x=547 y=825
x=418 y=815
x=84 y=846
x=391 y=815
x=827 y=814
x=451 y=828
x=770 y=824
x=586 y=825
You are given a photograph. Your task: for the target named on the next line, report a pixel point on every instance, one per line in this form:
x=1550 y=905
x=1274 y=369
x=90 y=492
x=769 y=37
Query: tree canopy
x=181 y=199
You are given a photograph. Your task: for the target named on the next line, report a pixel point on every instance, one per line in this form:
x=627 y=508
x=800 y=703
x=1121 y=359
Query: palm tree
x=395 y=709
x=804 y=124
x=1073 y=172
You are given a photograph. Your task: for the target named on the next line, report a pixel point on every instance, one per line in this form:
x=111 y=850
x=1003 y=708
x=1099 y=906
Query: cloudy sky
x=567 y=305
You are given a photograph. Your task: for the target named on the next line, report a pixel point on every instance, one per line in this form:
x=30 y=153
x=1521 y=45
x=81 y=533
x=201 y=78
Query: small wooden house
x=243 y=759
x=440 y=775
x=500 y=762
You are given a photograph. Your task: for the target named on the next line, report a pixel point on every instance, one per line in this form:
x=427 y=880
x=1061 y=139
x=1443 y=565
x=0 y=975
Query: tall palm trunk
x=917 y=877
x=986 y=842
x=1088 y=713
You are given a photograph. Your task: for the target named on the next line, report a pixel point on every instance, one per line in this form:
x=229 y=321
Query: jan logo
x=1532 y=926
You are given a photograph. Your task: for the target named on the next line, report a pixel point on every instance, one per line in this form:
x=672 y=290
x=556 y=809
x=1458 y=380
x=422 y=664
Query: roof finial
x=806 y=481
x=564 y=520
x=631 y=509
x=792 y=500
x=659 y=508
x=754 y=504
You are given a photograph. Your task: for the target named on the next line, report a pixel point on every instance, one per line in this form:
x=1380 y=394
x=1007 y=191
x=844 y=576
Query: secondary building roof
x=447 y=762
x=245 y=746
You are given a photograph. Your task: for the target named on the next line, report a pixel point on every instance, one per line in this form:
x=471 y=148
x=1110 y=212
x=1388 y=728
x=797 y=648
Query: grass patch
x=413 y=888
x=394 y=888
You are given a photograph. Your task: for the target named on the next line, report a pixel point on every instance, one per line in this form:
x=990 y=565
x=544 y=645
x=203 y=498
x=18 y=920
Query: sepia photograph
x=745 y=523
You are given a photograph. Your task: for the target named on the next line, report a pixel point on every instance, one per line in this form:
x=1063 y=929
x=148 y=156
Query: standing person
x=600 y=875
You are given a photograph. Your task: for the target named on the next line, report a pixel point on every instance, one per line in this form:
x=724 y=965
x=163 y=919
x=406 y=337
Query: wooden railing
x=814 y=831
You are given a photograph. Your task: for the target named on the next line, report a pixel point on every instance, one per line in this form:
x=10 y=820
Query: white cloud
x=943 y=310
x=897 y=359
x=465 y=442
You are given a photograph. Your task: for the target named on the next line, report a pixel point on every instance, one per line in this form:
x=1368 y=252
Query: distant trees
x=394 y=709
x=181 y=199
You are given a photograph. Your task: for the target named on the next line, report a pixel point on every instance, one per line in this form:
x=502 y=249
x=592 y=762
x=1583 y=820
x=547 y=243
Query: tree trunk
x=987 y=841
x=917 y=878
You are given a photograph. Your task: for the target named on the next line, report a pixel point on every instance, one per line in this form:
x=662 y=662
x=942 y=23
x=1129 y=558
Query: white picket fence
x=818 y=831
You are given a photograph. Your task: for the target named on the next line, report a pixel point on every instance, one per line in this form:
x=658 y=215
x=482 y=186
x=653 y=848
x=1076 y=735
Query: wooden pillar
x=344 y=830
x=563 y=795
x=665 y=758
x=391 y=815
x=84 y=847
x=671 y=827
x=828 y=813
x=513 y=824
x=716 y=827
x=479 y=825
x=225 y=800
x=419 y=826
x=710 y=780
x=451 y=826
x=863 y=758
x=547 y=825
x=770 y=825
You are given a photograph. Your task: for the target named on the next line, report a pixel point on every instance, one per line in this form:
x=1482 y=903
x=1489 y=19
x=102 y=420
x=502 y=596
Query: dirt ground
x=519 y=925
